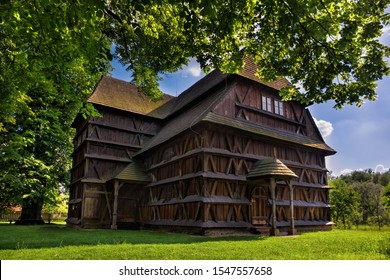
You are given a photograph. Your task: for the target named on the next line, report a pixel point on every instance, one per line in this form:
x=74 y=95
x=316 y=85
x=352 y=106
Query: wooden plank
x=222 y=152
x=230 y=213
x=94 y=192
x=107 y=157
x=198 y=211
x=122 y=128
x=213 y=188
x=269 y=114
x=213 y=213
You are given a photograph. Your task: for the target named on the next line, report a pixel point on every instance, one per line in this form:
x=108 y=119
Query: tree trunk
x=31 y=214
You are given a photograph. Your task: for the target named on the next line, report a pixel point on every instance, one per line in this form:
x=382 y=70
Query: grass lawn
x=47 y=242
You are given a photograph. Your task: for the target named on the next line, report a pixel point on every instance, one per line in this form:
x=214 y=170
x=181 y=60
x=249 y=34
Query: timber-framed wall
x=198 y=162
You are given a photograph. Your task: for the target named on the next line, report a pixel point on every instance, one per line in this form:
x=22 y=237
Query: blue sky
x=361 y=136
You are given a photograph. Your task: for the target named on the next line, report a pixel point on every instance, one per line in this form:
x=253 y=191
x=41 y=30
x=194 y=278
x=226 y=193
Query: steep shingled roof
x=270 y=167
x=117 y=94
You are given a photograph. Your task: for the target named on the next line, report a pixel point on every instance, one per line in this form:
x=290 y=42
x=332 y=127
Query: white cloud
x=346 y=171
x=385 y=37
x=325 y=127
x=386 y=31
x=381 y=168
x=193 y=69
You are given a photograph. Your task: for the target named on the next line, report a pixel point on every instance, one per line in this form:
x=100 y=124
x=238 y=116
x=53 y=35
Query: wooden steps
x=262 y=230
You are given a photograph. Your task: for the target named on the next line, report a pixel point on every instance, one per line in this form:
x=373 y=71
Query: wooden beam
x=117 y=187
x=292 y=230
x=127 y=129
x=244 y=156
x=274 y=116
x=106 y=157
x=82 y=210
x=274 y=230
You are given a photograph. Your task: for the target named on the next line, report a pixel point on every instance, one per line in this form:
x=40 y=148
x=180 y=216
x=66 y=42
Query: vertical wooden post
x=292 y=230
x=115 y=210
x=274 y=230
x=82 y=210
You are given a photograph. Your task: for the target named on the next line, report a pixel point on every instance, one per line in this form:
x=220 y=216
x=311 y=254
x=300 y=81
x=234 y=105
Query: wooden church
x=225 y=156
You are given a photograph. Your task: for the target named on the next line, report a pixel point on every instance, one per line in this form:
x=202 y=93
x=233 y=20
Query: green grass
x=59 y=242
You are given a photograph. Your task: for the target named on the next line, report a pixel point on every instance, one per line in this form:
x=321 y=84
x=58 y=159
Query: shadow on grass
x=58 y=235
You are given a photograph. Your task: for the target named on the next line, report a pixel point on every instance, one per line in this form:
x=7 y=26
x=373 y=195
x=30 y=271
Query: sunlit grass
x=60 y=242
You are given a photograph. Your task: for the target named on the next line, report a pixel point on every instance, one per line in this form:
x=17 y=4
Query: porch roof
x=270 y=167
x=133 y=172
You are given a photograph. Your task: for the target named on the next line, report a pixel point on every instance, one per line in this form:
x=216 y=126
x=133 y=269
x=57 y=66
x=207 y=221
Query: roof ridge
x=131 y=83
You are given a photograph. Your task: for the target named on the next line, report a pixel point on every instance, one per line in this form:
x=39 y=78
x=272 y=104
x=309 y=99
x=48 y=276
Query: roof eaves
x=268 y=132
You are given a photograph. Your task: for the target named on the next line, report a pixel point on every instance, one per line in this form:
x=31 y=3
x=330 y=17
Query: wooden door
x=128 y=204
x=259 y=206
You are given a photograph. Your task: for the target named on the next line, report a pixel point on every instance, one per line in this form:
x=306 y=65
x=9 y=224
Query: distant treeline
x=360 y=198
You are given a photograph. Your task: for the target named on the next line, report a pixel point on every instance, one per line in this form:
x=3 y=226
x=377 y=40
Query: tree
x=370 y=198
x=345 y=205
x=336 y=40
x=386 y=195
x=48 y=66
x=36 y=148
x=384 y=178
x=39 y=40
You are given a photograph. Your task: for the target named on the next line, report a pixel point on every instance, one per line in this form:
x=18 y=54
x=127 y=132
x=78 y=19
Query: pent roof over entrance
x=270 y=167
x=133 y=173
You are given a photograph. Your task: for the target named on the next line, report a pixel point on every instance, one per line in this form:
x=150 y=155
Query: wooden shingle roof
x=122 y=95
x=270 y=167
x=249 y=72
x=134 y=173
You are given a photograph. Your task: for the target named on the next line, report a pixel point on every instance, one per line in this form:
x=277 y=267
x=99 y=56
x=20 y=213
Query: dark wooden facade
x=186 y=163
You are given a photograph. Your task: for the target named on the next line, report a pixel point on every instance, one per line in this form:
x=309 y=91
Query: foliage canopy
x=328 y=48
x=48 y=65
x=53 y=51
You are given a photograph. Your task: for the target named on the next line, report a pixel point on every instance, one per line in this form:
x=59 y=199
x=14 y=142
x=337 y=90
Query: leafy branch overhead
x=52 y=53
x=329 y=49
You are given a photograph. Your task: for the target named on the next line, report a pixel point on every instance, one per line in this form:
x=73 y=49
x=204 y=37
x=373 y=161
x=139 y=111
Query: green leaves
x=48 y=67
x=330 y=49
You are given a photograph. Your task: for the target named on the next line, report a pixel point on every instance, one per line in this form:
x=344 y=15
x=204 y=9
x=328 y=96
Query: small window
x=266 y=104
x=279 y=109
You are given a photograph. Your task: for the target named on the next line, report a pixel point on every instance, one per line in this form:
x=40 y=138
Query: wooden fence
x=47 y=217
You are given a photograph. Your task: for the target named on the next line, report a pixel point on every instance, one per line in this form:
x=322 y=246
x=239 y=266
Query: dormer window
x=279 y=109
x=266 y=105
